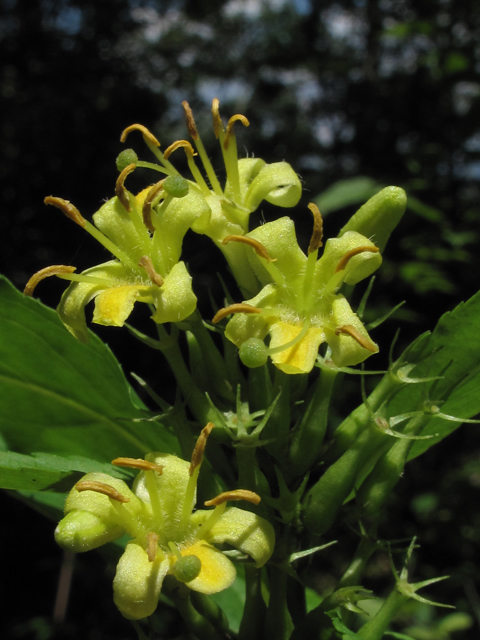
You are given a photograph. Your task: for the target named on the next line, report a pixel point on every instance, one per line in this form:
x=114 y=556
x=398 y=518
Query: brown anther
x=53 y=270
x=138 y=463
x=190 y=121
x=198 y=451
x=255 y=244
x=152 y=543
x=366 y=343
x=235 y=495
x=147 y=135
x=317 y=235
x=147 y=264
x=67 y=208
x=238 y=307
x=354 y=252
x=147 y=205
x=120 y=190
x=101 y=487
x=229 y=130
x=177 y=145
x=217 y=121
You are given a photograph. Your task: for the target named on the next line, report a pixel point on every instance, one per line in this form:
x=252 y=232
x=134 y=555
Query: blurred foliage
x=371 y=92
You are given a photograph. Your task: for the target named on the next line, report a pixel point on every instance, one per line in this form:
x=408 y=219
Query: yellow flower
x=299 y=306
x=167 y=538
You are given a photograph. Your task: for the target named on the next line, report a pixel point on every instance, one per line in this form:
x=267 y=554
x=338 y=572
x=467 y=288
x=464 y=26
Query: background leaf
x=61 y=397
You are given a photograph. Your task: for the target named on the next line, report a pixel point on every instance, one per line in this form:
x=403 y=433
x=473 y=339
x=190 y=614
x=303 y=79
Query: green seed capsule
x=176 y=186
x=187 y=568
x=128 y=156
x=253 y=353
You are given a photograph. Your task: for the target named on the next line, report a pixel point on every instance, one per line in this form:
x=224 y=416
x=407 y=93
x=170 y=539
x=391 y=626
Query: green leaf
x=62 y=397
x=347 y=192
x=47 y=472
x=346 y=633
x=455 y=356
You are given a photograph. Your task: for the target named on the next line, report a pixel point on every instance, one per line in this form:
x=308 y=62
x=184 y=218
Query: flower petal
x=82 y=531
x=301 y=357
x=346 y=351
x=245 y=531
x=174 y=300
x=217 y=572
x=138 y=582
x=276 y=183
x=243 y=326
x=114 y=305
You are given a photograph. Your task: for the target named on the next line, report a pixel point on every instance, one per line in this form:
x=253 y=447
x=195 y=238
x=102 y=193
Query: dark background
x=388 y=89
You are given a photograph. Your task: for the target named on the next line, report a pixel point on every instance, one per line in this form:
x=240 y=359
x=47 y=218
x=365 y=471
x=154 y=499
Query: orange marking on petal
x=138 y=463
x=317 y=235
x=354 y=252
x=366 y=343
x=53 y=270
x=239 y=307
x=147 y=135
x=147 y=264
x=235 y=495
x=190 y=121
x=198 y=451
x=67 y=208
x=101 y=487
x=255 y=244
x=120 y=190
x=152 y=543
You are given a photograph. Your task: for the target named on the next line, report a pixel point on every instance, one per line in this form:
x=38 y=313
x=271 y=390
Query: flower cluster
x=168 y=539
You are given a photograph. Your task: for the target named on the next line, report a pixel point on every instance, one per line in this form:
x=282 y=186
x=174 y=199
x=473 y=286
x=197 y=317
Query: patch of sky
x=237 y=91
x=69 y=20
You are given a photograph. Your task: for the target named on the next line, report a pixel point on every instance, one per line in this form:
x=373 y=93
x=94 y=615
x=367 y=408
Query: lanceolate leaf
x=455 y=348
x=62 y=397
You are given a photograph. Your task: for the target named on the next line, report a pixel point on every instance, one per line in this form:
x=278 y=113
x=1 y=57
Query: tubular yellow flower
x=299 y=306
x=167 y=538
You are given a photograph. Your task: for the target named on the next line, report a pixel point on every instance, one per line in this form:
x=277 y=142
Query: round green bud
x=176 y=186
x=187 y=568
x=253 y=353
x=128 y=156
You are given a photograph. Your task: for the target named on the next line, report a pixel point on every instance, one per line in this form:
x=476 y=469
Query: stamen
x=354 y=252
x=255 y=244
x=190 y=121
x=138 y=463
x=147 y=135
x=101 y=487
x=152 y=542
x=239 y=307
x=229 y=130
x=120 y=190
x=317 y=235
x=217 y=121
x=53 y=270
x=67 y=208
x=235 y=495
x=147 y=264
x=198 y=451
x=177 y=145
x=362 y=341
x=147 y=205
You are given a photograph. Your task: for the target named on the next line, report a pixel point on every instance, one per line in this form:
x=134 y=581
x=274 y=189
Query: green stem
x=196 y=623
x=375 y=628
x=251 y=626
x=278 y=623
x=312 y=426
x=354 y=573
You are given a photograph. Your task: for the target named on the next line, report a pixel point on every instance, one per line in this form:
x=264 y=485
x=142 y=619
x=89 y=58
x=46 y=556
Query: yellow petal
x=217 y=572
x=138 y=581
x=114 y=305
x=301 y=357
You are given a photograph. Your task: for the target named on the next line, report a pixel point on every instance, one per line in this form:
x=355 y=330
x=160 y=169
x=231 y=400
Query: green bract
x=167 y=538
x=299 y=305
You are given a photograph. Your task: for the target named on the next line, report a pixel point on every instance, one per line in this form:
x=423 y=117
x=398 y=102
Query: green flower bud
x=379 y=216
x=126 y=157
